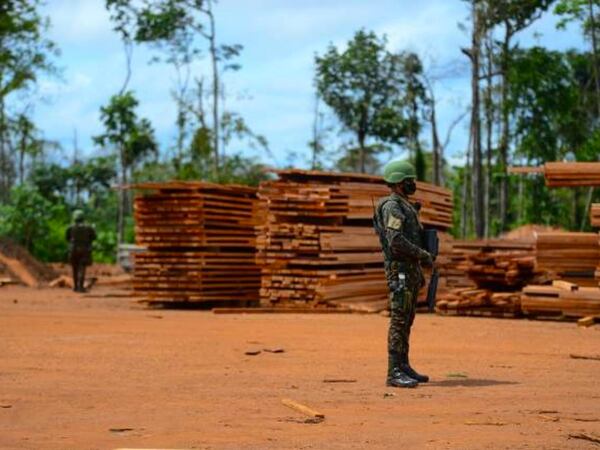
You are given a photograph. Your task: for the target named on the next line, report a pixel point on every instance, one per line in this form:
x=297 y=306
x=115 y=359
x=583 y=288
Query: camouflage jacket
x=80 y=236
x=400 y=233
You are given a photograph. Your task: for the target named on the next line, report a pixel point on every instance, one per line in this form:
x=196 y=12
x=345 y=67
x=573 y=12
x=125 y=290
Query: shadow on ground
x=469 y=382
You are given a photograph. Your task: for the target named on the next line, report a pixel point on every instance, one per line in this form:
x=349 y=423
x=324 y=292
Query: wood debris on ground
x=317 y=246
x=200 y=239
x=306 y=410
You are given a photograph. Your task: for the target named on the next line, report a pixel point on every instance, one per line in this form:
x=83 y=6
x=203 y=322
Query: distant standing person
x=80 y=236
x=396 y=221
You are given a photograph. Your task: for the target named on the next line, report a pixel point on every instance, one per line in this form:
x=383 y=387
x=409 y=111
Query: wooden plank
x=302 y=408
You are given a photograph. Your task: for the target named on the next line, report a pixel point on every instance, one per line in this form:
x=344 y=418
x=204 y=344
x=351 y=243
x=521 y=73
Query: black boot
x=396 y=377
x=401 y=380
x=412 y=373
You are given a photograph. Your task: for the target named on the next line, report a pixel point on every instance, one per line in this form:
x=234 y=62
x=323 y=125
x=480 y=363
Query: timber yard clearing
x=91 y=371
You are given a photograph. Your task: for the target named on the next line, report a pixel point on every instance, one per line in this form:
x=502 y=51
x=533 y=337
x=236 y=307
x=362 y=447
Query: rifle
x=431 y=244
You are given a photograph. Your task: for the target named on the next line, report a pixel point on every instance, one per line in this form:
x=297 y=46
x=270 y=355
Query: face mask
x=410 y=187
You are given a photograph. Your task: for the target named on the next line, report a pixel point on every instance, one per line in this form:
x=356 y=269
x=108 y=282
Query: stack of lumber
x=571 y=174
x=565 y=174
x=317 y=246
x=562 y=298
x=502 y=271
x=569 y=256
x=460 y=260
x=595 y=214
x=200 y=241
x=597 y=274
x=479 y=302
x=496 y=270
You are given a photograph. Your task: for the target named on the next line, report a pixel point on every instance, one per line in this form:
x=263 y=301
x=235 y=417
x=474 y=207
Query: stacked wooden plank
x=502 y=271
x=317 y=245
x=479 y=302
x=597 y=274
x=595 y=214
x=460 y=260
x=200 y=240
x=571 y=174
x=568 y=300
x=496 y=270
x=568 y=255
x=565 y=174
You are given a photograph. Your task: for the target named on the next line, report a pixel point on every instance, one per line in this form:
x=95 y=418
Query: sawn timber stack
x=317 y=246
x=498 y=268
x=565 y=174
x=570 y=256
x=569 y=301
x=200 y=240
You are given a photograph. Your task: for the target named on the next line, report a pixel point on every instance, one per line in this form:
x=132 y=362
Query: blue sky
x=273 y=91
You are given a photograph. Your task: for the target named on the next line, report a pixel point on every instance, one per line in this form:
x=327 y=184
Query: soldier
x=397 y=223
x=80 y=236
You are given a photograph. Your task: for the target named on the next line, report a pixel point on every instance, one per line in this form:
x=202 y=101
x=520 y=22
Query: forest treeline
x=528 y=105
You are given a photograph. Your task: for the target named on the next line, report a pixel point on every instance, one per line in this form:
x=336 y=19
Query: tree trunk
x=122 y=201
x=489 y=123
x=362 y=151
x=503 y=147
x=437 y=150
x=595 y=54
x=215 y=87
x=3 y=154
x=477 y=179
x=315 y=143
x=464 y=213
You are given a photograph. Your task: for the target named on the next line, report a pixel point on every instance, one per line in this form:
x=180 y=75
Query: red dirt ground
x=95 y=372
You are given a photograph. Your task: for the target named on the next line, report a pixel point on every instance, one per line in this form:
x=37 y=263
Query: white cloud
x=280 y=39
x=79 y=21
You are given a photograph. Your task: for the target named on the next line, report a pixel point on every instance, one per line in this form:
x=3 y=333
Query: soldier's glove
x=426 y=259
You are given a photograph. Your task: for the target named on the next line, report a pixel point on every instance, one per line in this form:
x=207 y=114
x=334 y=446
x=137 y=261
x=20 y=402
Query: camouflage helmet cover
x=397 y=171
x=78 y=215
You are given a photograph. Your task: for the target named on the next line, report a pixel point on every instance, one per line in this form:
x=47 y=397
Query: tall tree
x=430 y=78
x=474 y=55
x=415 y=99
x=131 y=137
x=173 y=25
x=514 y=16
x=364 y=86
x=24 y=53
x=586 y=12
x=544 y=102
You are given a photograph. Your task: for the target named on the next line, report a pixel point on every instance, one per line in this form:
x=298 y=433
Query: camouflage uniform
x=399 y=229
x=80 y=237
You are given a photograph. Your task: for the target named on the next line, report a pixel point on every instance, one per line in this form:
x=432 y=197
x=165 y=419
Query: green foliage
x=34 y=222
x=579 y=11
x=544 y=101
x=517 y=14
x=351 y=159
x=82 y=179
x=364 y=86
x=23 y=50
x=134 y=138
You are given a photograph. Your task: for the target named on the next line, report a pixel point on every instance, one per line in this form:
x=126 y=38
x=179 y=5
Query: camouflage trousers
x=79 y=259
x=403 y=305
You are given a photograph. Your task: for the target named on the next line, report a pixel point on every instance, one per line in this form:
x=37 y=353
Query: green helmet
x=78 y=215
x=397 y=171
